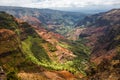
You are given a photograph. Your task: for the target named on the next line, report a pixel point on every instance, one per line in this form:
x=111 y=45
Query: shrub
x=12 y=75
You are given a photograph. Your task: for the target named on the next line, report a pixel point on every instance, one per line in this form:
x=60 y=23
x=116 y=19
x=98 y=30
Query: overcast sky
x=62 y=3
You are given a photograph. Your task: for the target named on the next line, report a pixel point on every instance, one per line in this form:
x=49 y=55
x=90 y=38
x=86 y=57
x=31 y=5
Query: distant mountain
x=102 y=19
x=93 y=26
x=54 y=20
x=88 y=10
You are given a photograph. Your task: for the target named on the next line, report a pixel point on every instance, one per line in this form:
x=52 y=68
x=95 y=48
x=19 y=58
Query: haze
x=66 y=5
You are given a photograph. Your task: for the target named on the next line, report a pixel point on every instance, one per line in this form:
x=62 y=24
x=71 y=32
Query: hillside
x=32 y=51
x=102 y=32
x=32 y=48
x=12 y=57
x=102 y=29
x=111 y=33
x=57 y=21
x=94 y=26
x=102 y=19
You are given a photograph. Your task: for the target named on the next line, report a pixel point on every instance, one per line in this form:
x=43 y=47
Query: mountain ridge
x=31 y=48
x=103 y=31
x=55 y=20
x=35 y=47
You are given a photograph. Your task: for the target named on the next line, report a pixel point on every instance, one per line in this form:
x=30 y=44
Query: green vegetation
x=79 y=48
x=7 y=21
x=51 y=47
x=61 y=21
x=37 y=54
x=34 y=51
x=26 y=51
x=12 y=76
x=82 y=55
x=61 y=29
x=64 y=45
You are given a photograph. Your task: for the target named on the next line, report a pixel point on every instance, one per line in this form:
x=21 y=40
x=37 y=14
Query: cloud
x=59 y=3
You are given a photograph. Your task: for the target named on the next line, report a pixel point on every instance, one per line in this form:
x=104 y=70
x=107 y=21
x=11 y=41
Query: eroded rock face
x=101 y=33
x=105 y=27
x=62 y=53
x=74 y=34
x=108 y=45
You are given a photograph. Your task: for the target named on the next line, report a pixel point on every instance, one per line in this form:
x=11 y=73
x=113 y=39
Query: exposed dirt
x=47 y=75
x=62 y=53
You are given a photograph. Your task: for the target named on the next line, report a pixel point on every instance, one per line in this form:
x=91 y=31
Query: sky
x=63 y=4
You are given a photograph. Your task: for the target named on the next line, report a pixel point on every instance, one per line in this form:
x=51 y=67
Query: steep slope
x=106 y=47
x=92 y=27
x=103 y=31
x=59 y=49
x=54 y=20
x=12 y=57
x=107 y=54
x=35 y=52
x=102 y=19
x=110 y=39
